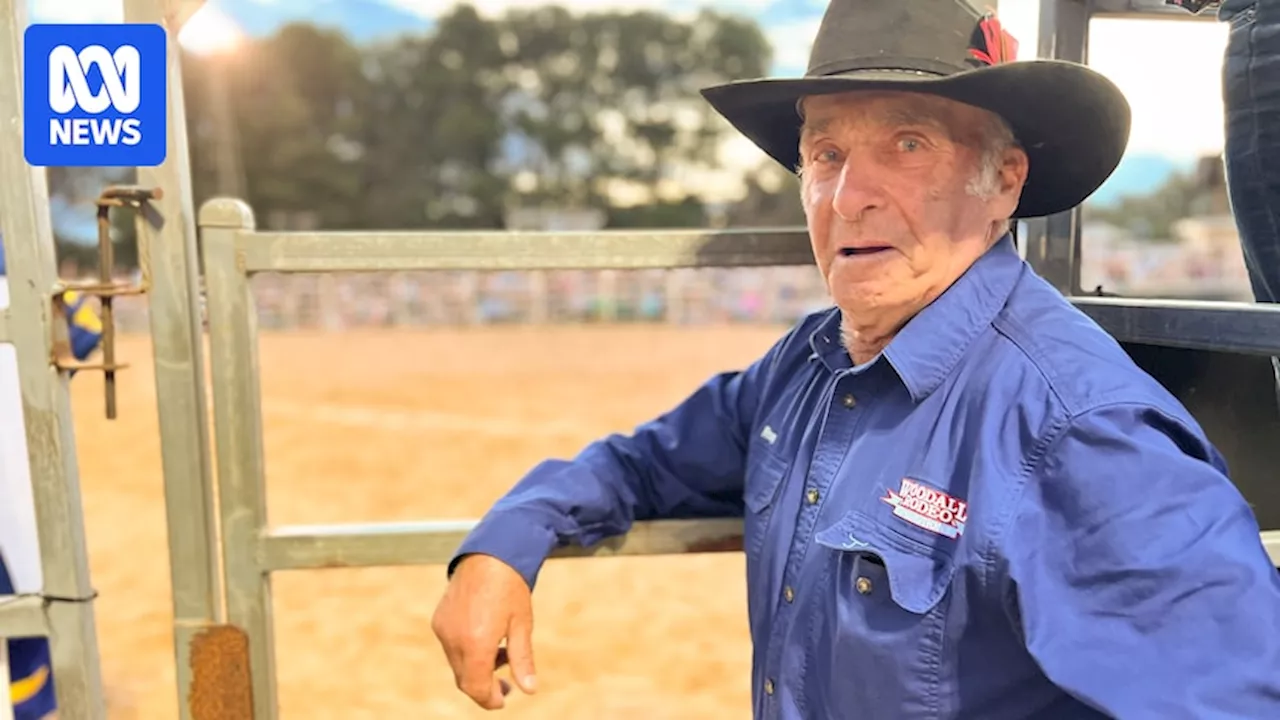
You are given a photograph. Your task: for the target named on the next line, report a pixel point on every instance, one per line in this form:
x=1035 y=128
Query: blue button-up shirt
x=999 y=517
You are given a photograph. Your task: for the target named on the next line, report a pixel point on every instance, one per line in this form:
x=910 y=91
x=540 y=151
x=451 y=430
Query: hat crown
x=948 y=49
x=938 y=37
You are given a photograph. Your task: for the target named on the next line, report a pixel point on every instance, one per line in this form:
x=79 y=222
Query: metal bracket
x=106 y=288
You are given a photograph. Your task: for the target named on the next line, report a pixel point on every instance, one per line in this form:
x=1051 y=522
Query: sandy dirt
x=405 y=424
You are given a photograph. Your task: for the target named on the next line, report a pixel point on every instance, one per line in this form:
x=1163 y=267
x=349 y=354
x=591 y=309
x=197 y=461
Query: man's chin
x=861 y=289
x=862 y=302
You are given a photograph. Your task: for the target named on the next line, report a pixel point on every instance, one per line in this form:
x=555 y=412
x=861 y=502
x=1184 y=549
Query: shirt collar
x=928 y=347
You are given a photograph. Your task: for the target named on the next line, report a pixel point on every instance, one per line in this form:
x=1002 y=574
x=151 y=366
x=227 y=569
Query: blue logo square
x=95 y=95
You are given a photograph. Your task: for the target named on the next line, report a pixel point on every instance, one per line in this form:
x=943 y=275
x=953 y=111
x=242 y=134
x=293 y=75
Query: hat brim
x=1072 y=122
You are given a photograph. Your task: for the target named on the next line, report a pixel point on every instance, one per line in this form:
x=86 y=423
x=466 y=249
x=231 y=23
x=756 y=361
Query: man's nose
x=858 y=189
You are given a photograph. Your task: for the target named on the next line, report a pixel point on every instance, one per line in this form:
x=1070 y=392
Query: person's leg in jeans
x=1251 y=99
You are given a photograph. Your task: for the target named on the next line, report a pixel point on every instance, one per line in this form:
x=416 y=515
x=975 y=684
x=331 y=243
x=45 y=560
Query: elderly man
x=962 y=499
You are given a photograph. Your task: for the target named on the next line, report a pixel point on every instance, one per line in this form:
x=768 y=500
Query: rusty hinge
x=105 y=288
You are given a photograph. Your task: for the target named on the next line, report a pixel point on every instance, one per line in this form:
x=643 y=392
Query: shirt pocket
x=880 y=617
x=918 y=575
x=765 y=472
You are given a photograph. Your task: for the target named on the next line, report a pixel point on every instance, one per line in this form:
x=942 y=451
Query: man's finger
x=497 y=695
x=520 y=654
x=451 y=643
x=453 y=655
x=477 y=680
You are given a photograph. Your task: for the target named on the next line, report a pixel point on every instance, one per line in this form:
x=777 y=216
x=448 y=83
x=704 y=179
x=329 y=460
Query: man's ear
x=1013 y=176
x=1013 y=171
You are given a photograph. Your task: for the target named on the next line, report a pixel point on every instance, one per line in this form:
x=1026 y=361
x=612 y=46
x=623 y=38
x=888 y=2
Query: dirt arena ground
x=415 y=424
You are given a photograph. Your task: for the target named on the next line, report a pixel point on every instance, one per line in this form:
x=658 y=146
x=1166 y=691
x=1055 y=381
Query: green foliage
x=538 y=108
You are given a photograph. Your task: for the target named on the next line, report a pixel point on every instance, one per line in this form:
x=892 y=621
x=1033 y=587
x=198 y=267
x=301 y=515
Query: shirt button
x=789 y=593
x=863 y=585
x=768 y=687
x=848 y=401
x=811 y=496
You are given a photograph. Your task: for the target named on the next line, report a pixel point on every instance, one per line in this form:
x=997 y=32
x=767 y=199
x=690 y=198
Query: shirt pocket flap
x=919 y=575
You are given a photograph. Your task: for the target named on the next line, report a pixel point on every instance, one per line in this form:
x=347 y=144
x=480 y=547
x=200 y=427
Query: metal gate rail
x=233 y=252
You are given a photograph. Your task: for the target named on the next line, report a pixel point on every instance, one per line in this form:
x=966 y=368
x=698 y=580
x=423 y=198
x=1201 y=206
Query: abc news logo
x=95 y=95
x=69 y=90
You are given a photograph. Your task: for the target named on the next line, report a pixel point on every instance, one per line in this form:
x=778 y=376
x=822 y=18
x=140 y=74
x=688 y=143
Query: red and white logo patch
x=927 y=508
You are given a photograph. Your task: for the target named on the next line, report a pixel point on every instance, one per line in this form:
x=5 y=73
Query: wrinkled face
x=897 y=200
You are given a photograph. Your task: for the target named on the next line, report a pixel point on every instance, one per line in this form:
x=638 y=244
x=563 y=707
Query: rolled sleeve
x=1137 y=577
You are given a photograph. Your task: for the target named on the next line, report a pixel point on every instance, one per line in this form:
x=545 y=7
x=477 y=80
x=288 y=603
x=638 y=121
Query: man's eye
x=828 y=156
x=910 y=144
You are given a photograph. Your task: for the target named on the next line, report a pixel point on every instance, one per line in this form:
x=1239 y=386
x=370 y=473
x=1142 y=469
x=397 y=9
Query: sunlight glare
x=210 y=32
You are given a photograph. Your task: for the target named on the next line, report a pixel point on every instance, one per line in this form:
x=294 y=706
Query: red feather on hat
x=998 y=46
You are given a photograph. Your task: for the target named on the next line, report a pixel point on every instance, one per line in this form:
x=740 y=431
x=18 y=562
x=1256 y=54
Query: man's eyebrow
x=821 y=125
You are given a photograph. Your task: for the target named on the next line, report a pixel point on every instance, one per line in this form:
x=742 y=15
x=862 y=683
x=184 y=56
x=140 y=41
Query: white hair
x=995 y=139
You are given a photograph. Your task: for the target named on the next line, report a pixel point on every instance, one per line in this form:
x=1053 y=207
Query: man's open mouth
x=850 y=252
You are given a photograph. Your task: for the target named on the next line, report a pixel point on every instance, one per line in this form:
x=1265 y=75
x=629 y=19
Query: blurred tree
x=297 y=126
x=772 y=200
x=434 y=132
x=538 y=108
x=687 y=213
x=606 y=105
x=1151 y=216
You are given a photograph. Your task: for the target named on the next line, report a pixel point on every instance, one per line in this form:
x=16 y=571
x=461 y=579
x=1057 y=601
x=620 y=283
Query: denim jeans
x=1251 y=99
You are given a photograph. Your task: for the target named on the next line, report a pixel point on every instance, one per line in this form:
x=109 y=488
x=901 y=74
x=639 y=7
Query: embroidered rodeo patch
x=927 y=508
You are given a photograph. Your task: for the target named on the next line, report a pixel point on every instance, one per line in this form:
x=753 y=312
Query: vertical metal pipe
x=31 y=267
x=1053 y=242
x=177 y=344
x=237 y=419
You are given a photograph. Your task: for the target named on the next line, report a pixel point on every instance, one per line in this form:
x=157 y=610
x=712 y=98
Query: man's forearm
x=687 y=463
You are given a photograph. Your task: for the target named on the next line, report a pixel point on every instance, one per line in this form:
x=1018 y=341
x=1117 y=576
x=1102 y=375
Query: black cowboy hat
x=1072 y=122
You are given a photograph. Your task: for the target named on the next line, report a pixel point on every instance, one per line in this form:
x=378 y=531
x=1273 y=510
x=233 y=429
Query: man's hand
x=486 y=601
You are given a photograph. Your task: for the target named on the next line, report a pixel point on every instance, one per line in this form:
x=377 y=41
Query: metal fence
x=234 y=252
x=685 y=296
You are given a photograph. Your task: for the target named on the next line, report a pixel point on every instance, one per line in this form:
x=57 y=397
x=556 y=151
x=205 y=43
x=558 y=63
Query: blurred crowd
x=1205 y=263
x=411 y=299
x=1202 y=261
